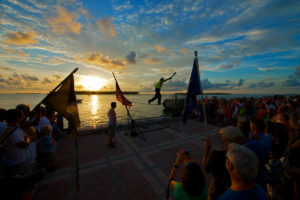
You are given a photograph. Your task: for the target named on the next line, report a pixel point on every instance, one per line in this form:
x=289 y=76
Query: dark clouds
x=25 y=77
x=228 y=85
x=291 y=83
x=176 y=85
x=293 y=79
x=228 y=66
x=26 y=81
x=17 y=80
x=205 y=83
x=261 y=84
x=131 y=57
x=51 y=81
x=297 y=73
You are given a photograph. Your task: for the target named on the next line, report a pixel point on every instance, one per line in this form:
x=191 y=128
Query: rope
x=146 y=103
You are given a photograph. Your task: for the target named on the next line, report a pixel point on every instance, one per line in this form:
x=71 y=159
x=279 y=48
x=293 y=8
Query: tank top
x=111 y=115
x=158 y=84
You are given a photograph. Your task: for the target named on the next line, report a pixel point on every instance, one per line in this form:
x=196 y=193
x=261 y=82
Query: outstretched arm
x=170 y=77
x=179 y=159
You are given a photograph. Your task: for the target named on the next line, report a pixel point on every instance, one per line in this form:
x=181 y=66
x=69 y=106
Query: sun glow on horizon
x=92 y=83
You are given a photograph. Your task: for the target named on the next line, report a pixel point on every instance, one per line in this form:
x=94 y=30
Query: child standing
x=47 y=156
x=112 y=122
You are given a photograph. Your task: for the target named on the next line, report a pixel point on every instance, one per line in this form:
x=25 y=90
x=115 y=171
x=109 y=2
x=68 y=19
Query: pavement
x=138 y=168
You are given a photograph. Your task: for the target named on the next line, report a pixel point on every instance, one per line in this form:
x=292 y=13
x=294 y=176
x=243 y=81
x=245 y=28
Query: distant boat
x=79 y=100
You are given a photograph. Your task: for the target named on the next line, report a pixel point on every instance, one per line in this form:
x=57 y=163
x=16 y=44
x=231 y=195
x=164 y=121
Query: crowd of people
x=26 y=152
x=260 y=159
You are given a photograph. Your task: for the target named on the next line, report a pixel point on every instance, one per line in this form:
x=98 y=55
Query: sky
x=244 y=47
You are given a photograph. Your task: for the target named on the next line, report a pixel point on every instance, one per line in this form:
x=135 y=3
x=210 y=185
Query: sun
x=92 y=83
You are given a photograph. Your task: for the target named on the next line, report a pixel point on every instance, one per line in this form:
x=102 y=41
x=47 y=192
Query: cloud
x=241 y=82
x=23 y=81
x=126 y=6
x=10 y=50
x=51 y=81
x=164 y=70
x=46 y=81
x=177 y=85
x=20 y=38
x=268 y=69
x=160 y=49
x=184 y=51
x=297 y=73
x=96 y=58
x=228 y=66
x=152 y=60
x=6 y=68
x=106 y=27
x=57 y=77
x=261 y=84
x=228 y=85
x=291 y=83
x=237 y=62
x=145 y=55
x=56 y=61
x=22 y=53
x=131 y=57
x=85 y=13
x=2 y=80
x=27 y=77
x=64 y=22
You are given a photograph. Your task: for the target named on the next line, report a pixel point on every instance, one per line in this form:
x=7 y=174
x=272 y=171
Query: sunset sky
x=248 y=46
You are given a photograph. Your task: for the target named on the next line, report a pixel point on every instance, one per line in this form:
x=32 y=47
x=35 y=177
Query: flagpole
x=76 y=166
x=203 y=106
x=38 y=105
x=129 y=116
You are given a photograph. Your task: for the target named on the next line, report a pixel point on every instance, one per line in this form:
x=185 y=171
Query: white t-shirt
x=15 y=155
x=44 y=121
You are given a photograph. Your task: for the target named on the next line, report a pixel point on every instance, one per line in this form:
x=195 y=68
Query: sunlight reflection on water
x=93 y=109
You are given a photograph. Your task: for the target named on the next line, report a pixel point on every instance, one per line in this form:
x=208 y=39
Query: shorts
x=112 y=131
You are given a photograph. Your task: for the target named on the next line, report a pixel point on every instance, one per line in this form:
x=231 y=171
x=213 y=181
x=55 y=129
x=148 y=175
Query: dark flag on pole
x=194 y=89
x=119 y=95
x=63 y=100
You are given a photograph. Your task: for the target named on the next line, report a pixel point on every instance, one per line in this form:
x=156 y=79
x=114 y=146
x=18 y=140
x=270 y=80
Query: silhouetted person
x=157 y=89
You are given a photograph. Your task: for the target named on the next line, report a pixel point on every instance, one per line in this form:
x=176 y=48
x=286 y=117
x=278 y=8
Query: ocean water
x=93 y=109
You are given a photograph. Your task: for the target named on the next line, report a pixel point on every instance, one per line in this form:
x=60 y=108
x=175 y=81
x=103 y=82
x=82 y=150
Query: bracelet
x=175 y=166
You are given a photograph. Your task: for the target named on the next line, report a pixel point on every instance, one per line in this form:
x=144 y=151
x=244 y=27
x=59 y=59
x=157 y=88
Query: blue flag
x=194 y=89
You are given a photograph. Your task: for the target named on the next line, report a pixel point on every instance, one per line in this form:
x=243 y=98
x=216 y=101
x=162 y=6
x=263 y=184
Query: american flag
x=121 y=97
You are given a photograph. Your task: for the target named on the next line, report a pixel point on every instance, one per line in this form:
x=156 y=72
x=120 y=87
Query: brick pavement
x=136 y=169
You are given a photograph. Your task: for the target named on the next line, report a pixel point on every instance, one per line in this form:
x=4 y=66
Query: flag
x=194 y=89
x=63 y=100
x=120 y=97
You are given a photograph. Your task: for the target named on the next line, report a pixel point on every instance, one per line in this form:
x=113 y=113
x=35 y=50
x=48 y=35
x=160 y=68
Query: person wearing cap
x=213 y=161
x=158 y=87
